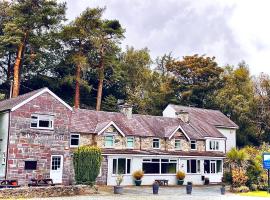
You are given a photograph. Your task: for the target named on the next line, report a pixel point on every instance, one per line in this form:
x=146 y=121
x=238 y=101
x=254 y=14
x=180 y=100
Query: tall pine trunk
x=16 y=73
x=77 y=88
x=100 y=79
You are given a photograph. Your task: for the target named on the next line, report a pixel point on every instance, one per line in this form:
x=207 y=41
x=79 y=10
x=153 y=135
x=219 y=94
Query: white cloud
x=230 y=30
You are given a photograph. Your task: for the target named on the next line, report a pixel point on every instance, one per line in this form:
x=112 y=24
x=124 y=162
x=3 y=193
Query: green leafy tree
x=87 y=163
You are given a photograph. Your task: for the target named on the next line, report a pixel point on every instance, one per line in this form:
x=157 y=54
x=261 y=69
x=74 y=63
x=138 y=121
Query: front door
x=56 y=171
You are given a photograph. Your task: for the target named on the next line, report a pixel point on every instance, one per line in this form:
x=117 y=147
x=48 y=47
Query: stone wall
x=38 y=145
x=43 y=192
x=102 y=178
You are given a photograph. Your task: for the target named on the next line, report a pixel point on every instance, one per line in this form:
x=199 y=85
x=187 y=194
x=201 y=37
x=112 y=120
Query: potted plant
x=206 y=181
x=189 y=187
x=137 y=175
x=180 y=175
x=118 y=189
x=222 y=189
x=155 y=187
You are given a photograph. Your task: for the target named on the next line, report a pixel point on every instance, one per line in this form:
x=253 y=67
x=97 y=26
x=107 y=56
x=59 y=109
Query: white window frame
x=133 y=139
x=177 y=141
x=76 y=138
x=216 y=144
x=170 y=160
x=216 y=165
x=113 y=145
x=125 y=166
x=39 y=117
x=195 y=144
x=156 y=141
x=198 y=166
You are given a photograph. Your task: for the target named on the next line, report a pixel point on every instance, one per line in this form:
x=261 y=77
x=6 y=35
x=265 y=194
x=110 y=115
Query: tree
x=106 y=37
x=78 y=36
x=30 y=20
x=197 y=77
x=87 y=163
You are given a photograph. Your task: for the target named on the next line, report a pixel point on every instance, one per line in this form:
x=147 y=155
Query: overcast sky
x=231 y=31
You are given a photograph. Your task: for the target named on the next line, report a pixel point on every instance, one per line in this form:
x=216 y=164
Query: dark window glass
x=114 y=166
x=219 y=167
x=151 y=168
x=207 y=166
x=30 y=165
x=128 y=166
x=168 y=168
x=121 y=166
x=193 y=166
x=45 y=124
x=74 y=140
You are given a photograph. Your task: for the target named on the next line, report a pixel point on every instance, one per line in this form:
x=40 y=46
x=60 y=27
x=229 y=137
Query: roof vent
x=183 y=115
x=126 y=109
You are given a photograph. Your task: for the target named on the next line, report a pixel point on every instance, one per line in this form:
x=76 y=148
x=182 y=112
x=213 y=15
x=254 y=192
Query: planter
x=155 y=188
x=138 y=182
x=180 y=182
x=189 y=188
x=118 y=189
x=222 y=190
x=206 y=181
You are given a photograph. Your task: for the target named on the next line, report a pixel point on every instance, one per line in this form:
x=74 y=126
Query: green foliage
x=241 y=189
x=227 y=177
x=87 y=162
x=110 y=104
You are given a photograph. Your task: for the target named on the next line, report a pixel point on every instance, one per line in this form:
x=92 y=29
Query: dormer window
x=214 y=145
x=109 y=141
x=193 y=145
x=41 y=121
x=156 y=144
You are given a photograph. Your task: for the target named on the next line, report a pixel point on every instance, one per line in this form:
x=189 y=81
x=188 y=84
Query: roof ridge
x=209 y=109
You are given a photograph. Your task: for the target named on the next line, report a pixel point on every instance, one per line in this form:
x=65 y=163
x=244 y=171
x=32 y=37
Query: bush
x=263 y=187
x=138 y=174
x=253 y=187
x=239 y=177
x=180 y=175
x=227 y=177
x=87 y=162
x=240 y=189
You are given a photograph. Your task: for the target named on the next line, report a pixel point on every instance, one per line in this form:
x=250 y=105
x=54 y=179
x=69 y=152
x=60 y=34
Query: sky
x=230 y=30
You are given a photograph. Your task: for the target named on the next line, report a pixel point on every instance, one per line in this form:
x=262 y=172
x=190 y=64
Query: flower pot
x=222 y=190
x=189 y=188
x=206 y=181
x=138 y=182
x=155 y=188
x=118 y=189
x=180 y=182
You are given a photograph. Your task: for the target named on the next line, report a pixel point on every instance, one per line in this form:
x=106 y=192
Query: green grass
x=256 y=194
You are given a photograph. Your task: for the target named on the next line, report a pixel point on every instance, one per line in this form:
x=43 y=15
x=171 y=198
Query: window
x=193 y=166
x=193 y=145
x=30 y=165
x=177 y=144
x=121 y=166
x=214 y=145
x=212 y=166
x=130 y=142
x=42 y=121
x=109 y=141
x=159 y=166
x=74 y=140
x=156 y=143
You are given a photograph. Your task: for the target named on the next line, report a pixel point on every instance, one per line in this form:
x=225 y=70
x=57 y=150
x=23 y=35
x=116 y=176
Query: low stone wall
x=51 y=191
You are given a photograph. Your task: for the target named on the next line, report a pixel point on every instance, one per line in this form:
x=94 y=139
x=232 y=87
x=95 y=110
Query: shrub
x=180 y=175
x=240 y=189
x=227 y=177
x=87 y=162
x=138 y=174
x=263 y=187
x=254 y=171
x=119 y=179
x=253 y=187
x=239 y=177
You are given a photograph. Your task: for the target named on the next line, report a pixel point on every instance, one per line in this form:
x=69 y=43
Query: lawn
x=256 y=194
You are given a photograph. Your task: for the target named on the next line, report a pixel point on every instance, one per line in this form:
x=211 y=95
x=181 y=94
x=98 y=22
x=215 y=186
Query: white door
x=56 y=171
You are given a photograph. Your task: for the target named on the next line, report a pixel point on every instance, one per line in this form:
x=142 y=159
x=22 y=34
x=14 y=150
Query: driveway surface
x=165 y=193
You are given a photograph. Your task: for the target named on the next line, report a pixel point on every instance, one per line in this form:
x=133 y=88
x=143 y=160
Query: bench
x=162 y=182
x=9 y=183
x=41 y=182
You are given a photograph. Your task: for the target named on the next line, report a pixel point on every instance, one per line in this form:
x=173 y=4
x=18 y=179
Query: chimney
x=126 y=109
x=183 y=115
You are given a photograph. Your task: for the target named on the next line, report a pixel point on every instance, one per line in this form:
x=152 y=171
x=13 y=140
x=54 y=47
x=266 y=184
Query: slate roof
x=211 y=117
x=90 y=121
x=160 y=152
x=8 y=104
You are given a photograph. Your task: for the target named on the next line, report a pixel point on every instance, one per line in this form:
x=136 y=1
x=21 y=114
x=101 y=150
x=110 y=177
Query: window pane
x=188 y=166
x=168 y=168
x=193 y=166
x=45 y=124
x=207 y=166
x=121 y=166
x=128 y=166
x=219 y=166
x=198 y=166
x=130 y=142
x=34 y=124
x=151 y=168
x=213 y=167
x=74 y=142
x=193 y=145
x=108 y=141
x=217 y=145
x=177 y=144
x=156 y=143
x=114 y=166
x=30 y=165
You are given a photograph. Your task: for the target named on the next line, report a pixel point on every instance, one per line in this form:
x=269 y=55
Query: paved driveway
x=165 y=193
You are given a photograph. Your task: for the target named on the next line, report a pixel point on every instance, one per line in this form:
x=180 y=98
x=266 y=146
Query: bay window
x=121 y=165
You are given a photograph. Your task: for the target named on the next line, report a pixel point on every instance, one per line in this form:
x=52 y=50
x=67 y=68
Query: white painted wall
x=4 y=117
x=169 y=111
x=148 y=179
x=221 y=144
x=230 y=134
